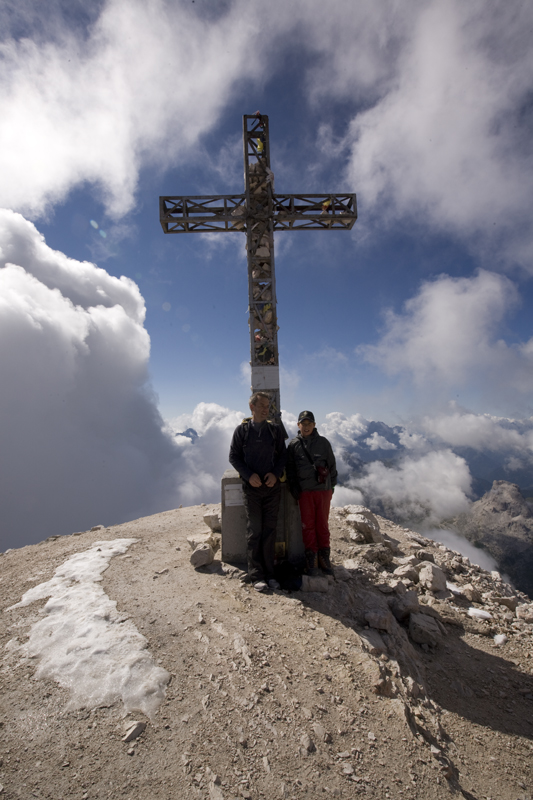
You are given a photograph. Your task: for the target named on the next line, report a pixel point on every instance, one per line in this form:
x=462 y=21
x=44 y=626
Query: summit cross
x=258 y=213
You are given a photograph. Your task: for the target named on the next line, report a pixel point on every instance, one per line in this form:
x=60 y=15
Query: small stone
x=202 y=556
x=307 y=743
x=213 y=521
x=510 y=602
x=431 y=576
x=380 y=618
x=211 y=776
x=472 y=594
x=134 y=731
x=407 y=572
x=341 y=573
x=311 y=583
x=425 y=630
x=362 y=520
x=500 y=639
x=266 y=765
x=347 y=769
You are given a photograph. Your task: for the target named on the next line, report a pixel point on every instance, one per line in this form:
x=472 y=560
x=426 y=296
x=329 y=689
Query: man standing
x=258 y=454
x=312 y=476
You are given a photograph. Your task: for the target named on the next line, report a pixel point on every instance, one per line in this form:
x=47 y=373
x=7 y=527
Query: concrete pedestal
x=289 y=534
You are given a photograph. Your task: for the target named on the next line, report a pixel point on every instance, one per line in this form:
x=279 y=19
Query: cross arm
x=314 y=211
x=199 y=214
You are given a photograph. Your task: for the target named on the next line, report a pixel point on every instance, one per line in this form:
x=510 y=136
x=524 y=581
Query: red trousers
x=314 y=511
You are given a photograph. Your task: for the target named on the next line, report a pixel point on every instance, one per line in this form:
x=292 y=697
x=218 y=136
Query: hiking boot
x=260 y=586
x=273 y=584
x=323 y=561
x=311 y=563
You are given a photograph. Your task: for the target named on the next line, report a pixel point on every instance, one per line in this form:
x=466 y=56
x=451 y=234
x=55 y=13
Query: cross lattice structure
x=258 y=213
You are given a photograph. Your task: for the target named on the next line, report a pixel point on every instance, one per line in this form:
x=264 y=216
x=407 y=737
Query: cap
x=306 y=415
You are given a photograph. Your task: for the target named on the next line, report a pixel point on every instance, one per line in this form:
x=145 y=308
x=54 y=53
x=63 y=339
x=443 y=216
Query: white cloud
x=447 y=142
x=378 y=442
x=206 y=459
x=140 y=87
x=82 y=439
x=482 y=432
x=446 y=337
x=434 y=486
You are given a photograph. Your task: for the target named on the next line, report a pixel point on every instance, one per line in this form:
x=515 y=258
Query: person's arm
x=236 y=454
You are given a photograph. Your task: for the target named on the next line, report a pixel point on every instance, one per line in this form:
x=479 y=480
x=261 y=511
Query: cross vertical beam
x=259 y=212
x=262 y=302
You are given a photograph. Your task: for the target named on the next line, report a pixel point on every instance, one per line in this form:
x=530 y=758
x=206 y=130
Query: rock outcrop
x=502 y=524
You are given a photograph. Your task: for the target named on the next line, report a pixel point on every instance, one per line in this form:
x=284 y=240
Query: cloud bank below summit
x=83 y=441
x=81 y=436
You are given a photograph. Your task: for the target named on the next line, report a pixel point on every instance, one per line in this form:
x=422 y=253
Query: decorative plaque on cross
x=258 y=213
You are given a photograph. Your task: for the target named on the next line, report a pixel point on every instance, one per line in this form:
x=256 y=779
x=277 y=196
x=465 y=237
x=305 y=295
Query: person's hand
x=255 y=481
x=270 y=479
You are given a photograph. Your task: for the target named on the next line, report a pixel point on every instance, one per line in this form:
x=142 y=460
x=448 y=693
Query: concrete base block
x=289 y=534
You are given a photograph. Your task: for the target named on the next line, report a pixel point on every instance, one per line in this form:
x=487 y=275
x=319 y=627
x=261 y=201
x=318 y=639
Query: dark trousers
x=314 y=511
x=261 y=506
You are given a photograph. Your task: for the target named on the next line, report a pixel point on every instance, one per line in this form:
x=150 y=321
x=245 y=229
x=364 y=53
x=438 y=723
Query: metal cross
x=259 y=212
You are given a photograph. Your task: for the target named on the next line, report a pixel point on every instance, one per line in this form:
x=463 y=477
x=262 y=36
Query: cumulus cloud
x=423 y=482
x=447 y=142
x=205 y=452
x=81 y=436
x=137 y=86
x=446 y=337
x=434 y=486
x=378 y=442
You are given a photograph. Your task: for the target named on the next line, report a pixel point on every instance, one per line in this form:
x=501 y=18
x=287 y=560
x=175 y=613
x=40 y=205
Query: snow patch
x=84 y=644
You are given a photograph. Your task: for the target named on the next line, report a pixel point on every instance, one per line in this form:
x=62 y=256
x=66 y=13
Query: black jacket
x=251 y=454
x=301 y=473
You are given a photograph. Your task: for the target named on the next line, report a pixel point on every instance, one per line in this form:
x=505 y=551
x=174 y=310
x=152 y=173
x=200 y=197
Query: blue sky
x=360 y=98
x=424 y=111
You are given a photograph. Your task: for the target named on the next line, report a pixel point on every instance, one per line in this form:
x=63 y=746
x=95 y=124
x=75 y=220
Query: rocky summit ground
x=307 y=695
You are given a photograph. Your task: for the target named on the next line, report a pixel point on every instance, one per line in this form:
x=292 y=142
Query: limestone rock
x=425 y=630
x=472 y=594
x=134 y=731
x=311 y=583
x=405 y=604
x=408 y=572
x=525 y=612
x=350 y=564
x=341 y=573
x=510 y=602
x=213 y=521
x=379 y=618
x=202 y=556
x=425 y=555
x=372 y=642
x=502 y=523
x=378 y=554
x=197 y=539
x=431 y=576
x=362 y=520
x=307 y=743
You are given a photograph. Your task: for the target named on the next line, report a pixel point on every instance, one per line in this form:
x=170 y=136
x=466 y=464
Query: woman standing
x=312 y=476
